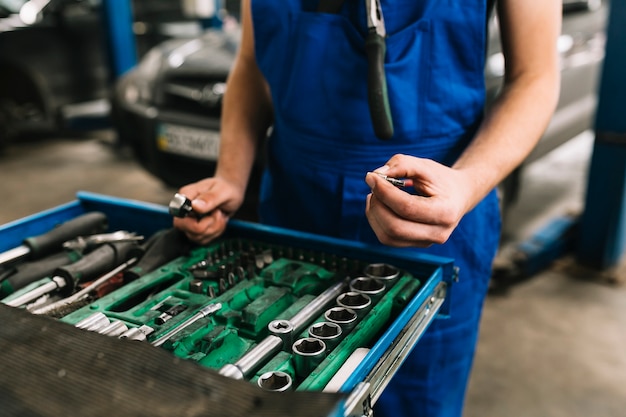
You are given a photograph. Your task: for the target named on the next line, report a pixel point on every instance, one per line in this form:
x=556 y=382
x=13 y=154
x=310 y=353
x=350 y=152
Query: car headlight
x=151 y=63
x=137 y=85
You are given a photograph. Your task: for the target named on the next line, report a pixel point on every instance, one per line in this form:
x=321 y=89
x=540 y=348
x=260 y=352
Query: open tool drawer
x=283 y=312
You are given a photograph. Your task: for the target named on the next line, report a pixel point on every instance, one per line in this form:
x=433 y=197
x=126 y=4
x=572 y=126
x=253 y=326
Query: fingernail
x=199 y=205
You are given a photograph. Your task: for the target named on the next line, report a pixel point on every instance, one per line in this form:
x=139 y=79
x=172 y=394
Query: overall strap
x=329 y=6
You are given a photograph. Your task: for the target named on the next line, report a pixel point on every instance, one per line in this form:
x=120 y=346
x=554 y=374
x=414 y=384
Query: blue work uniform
x=323 y=143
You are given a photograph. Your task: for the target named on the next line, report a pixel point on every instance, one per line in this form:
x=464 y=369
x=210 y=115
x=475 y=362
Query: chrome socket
x=137 y=333
x=382 y=271
x=96 y=320
x=308 y=353
x=344 y=317
x=374 y=288
x=114 y=329
x=328 y=332
x=275 y=381
x=359 y=303
x=282 y=329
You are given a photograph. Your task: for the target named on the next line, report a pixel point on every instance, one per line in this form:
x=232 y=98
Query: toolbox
x=261 y=321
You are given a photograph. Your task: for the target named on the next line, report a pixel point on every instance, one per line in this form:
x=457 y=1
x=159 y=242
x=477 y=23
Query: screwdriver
x=25 y=273
x=52 y=241
x=66 y=278
x=161 y=248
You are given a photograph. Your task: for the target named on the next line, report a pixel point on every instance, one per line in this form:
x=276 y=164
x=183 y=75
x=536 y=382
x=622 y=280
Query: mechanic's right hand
x=215 y=200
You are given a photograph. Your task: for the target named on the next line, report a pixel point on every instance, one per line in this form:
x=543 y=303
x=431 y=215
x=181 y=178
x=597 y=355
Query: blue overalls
x=323 y=143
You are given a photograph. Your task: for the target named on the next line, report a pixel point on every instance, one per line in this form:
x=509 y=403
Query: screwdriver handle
x=52 y=241
x=377 y=94
x=96 y=263
x=28 y=272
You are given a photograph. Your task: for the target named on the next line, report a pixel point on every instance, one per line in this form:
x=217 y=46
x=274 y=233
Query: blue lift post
x=602 y=234
x=598 y=235
x=121 y=44
x=121 y=50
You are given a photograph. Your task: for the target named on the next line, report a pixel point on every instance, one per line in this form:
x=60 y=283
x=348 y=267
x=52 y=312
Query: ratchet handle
x=52 y=241
x=378 y=98
x=97 y=263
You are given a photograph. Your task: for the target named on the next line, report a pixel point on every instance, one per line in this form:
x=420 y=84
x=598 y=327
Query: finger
x=203 y=229
x=394 y=231
x=409 y=206
x=207 y=201
x=423 y=173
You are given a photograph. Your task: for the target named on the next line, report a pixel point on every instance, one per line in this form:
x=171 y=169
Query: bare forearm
x=247 y=111
x=245 y=119
x=517 y=120
x=509 y=133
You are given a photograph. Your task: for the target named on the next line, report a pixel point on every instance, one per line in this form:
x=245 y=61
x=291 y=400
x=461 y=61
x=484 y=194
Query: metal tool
x=385 y=272
x=372 y=287
x=375 y=48
x=396 y=181
x=85 y=291
x=277 y=381
x=37 y=247
x=273 y=343
x=22 y=274
x=328 y=332
x=82 y=243
x=308 y=353
x=140 y=333
x=358 y=302
x=180 y=206
x=160 y=248
x=202 y=313
x=66 y=278
x=342 y=316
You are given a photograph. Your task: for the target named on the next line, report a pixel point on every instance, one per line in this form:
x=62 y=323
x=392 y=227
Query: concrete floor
x=551 y=346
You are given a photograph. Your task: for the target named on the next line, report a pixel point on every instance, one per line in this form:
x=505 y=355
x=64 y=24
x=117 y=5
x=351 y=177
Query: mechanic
x=303 y=73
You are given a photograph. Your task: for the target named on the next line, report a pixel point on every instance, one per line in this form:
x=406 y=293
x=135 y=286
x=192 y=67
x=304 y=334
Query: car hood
x=211 y=53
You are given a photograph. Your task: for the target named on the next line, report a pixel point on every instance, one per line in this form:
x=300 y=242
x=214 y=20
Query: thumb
x=200 y=205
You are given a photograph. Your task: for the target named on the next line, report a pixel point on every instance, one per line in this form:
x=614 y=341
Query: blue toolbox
x=105 y=307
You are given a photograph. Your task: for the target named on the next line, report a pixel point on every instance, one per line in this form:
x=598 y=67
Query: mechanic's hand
x=215 y=200
x=402 y=219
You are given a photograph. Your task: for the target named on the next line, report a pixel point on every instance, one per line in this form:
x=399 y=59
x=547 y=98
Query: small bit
x=222 y=285
x=396 y=181
x=195 y=286
x=211 y=291
x=199 y=265
x=231 y=279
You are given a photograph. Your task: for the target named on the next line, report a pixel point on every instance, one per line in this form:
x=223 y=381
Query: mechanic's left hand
x=401 y=219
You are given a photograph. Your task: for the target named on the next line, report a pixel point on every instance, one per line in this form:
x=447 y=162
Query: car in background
x=581 y=47
x=54 y=65
x=168 y=108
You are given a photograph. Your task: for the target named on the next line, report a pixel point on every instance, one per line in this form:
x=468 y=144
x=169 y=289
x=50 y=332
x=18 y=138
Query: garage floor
x=551 y=346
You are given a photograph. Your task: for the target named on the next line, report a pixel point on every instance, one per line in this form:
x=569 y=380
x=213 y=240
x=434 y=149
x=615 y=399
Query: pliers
x=375 y=48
